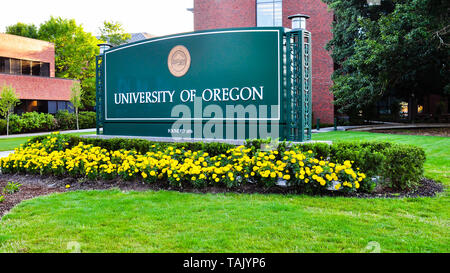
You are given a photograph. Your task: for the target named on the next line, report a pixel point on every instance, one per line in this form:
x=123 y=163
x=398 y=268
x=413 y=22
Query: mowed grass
x=8 y=144
x=116 y=221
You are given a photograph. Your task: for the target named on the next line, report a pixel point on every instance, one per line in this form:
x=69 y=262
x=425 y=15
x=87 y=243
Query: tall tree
x=22 y=29
x=114 y=33
x=400 y=50
x=75 y=52
x=8 y=100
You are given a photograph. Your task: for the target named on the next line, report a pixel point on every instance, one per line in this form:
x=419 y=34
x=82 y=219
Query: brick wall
x=322 y=64
x=18 y=47
x=38 y=88
x=211 y=14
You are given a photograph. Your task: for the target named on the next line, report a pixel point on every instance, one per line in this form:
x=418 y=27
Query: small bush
x=2 y=126
x=11 y=187
x=321 y=150
x=68 y=121
x=32 y=122
x=65 y=120
x=40 y=122
x=87 y=120
x=403 y=166
x=15 y=124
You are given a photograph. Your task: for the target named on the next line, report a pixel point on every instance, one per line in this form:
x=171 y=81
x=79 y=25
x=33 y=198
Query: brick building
x=28 y=65
x=211 y=14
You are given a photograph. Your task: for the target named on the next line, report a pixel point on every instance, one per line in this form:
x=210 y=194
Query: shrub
x=32 y=122
x=65 y=120
x=11 y=187
x=403 y=166
x=87 y=120
x=321 y=150
x=2 y=126
x=15 y=124
x=41 y=122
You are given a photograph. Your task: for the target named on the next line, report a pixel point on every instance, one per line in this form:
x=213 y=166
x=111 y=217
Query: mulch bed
x=30 y=188
x=34 y=185
x=445 y=132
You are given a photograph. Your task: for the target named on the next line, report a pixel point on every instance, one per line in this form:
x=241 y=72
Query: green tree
x=114 y=33
x=75 y=99
x=399 y=49
x=75 y=53
x=22 y=29
x=8 y=100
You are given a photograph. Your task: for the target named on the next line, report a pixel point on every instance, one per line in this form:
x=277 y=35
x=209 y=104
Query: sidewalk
x=46 y=133
x=331 y=129
x=383 y=126
x=5 y=153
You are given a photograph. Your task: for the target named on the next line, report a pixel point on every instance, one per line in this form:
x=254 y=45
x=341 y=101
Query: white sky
x=157 y=17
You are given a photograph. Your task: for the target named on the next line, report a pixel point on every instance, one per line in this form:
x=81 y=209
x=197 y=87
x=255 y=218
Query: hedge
x=41 y=122
x=67 y=121
x=400 y=166
x=31 y=122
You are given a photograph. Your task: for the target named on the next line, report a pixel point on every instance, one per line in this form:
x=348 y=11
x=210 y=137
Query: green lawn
x=8 y=144
x=116 y=221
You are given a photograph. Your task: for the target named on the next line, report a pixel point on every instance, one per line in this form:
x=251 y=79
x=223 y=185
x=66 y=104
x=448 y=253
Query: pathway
x=46 y=133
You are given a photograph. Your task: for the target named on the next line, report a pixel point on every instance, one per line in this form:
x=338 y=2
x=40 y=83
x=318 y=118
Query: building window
x=24 y=67
x=16 y=67
x=4 y=65
x=45 y=69
x=269 y=13
x=36 y=69
x=55 y=106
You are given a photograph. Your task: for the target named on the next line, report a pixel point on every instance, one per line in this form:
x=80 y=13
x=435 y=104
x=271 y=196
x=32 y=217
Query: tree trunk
x=76 y=111
x=7 y=124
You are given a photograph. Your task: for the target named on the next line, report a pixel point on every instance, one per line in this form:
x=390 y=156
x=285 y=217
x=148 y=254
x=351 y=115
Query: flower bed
x=180 y=166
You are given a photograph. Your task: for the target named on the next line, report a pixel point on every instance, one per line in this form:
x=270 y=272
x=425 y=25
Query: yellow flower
x=67 y=186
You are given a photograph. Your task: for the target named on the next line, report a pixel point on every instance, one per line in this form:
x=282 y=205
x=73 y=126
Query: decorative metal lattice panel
x=99 y=99
x=298 y=85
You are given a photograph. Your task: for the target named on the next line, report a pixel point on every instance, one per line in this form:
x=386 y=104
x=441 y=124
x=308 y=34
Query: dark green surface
x=229 y=58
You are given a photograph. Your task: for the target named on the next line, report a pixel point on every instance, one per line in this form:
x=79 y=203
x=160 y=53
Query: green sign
x=224 y=84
